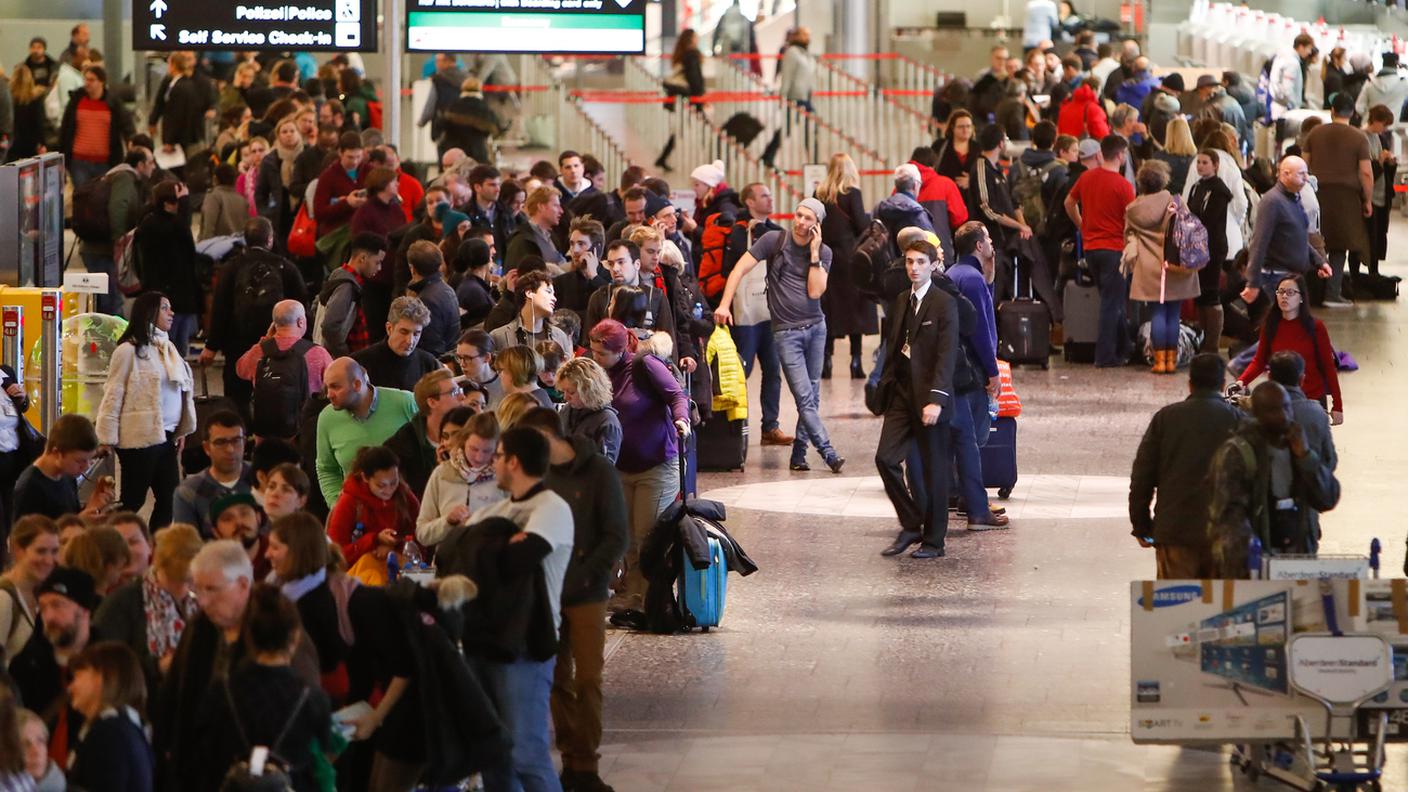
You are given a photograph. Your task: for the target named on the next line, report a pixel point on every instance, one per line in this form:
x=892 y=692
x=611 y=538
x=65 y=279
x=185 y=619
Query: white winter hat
x=711 y=174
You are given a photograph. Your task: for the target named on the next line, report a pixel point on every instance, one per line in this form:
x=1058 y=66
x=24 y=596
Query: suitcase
x=723 y=444
x=999 y=457
x=702 y=591
x=1081 y=327
x=193 y=457
x=1023 y=328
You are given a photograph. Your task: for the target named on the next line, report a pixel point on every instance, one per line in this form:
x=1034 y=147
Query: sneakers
x=775 y=437
x=1340 y=303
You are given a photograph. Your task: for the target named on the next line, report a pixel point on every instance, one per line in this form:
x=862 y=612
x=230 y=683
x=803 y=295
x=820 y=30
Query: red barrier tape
x=840 y=93
x=904 y=92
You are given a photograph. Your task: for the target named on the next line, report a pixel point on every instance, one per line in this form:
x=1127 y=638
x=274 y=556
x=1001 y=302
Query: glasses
x=228 y=442
x=454 y=390
x=1287 y=292
x=467 y=358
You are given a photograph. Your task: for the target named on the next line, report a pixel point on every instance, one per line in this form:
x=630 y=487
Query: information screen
x=304 y=25
x=604 y=27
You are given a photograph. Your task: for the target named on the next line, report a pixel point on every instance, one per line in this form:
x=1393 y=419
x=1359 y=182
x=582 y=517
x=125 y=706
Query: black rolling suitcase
x=999 y=457
x=193 y=457
x=1023 y=327
x=722 y=444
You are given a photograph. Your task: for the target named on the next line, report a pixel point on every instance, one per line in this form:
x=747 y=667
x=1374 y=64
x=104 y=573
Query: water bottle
x=698 y=311
x=393 y=567
x=411 y=558
x=992 y=410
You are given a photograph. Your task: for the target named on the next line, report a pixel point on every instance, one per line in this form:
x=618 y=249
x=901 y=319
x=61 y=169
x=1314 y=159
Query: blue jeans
x=877 y=366
x=183 y=328
x=1163 y=327
x=963 y=445
x=1112 y=339
x=982 y=418
x=101 y=263
x=521 y=690
x=800 y=351
x=757 y=341
x=80 y=172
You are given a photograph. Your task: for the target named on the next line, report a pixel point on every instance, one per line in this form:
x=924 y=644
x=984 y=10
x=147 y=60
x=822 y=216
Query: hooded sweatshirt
x=1082 y=116
x=359 y=517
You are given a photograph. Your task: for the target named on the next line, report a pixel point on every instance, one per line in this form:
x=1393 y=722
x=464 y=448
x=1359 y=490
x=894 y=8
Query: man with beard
x=67 y=599
x=236 y=516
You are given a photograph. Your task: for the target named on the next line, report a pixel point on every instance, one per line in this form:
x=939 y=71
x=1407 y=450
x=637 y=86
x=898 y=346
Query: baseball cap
x=1088 y=148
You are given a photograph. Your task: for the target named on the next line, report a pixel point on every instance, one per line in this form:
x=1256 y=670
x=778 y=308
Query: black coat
x=118 y=131
x=181 y=107
x=468 y=124
x=1208 y=201
x=512 y=616
x=592 y=488
x=476 y=298
x=230 y=331
x=167 y=259
x=683 y=531
x=1174 y=458
x=847 y=310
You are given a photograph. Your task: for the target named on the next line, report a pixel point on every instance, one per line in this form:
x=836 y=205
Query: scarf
x=470 y=475
x=176 y=369
x=166 y=617
x=295 y=589
x=287 y=156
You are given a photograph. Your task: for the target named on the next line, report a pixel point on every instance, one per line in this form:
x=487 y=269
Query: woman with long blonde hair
x=29 y=119
x=1177 y=153
x=848 y=313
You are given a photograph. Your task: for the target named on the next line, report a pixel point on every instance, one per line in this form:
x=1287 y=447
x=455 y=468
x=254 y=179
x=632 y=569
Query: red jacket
x=935 y=187
x=1321 y=377
x=333 y=183
x=411 y=192
x=357 y=505
x=1082 y=116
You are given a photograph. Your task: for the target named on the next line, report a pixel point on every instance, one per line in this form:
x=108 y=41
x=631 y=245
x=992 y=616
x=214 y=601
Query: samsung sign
x=1174 y=595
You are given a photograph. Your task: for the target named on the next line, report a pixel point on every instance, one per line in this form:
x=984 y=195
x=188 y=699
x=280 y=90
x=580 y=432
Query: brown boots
x=1165 y=361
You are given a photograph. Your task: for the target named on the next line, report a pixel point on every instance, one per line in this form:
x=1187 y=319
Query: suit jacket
x=933 y=349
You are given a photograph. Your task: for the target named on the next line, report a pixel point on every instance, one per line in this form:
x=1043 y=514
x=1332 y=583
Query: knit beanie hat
x=816 y=207
x=711 y=174
x=654 y=204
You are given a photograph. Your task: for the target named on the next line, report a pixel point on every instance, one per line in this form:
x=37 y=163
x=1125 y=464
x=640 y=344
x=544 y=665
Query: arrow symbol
x=159 y=32
x=158 y=7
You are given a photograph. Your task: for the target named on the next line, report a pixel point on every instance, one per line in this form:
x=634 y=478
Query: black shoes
x=927 y=550
x=628 y=619
x=826 y=368
x=856 y=371
x=583 y=781
x=836 y=463
x=800 y=467
x=903 y=542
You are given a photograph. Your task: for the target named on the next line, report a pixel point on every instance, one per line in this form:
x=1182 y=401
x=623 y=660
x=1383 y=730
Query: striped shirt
x=91 y=135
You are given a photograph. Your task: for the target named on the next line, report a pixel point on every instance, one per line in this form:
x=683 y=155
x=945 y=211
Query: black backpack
x=874 y=251
x=259 y=285
x=91 y=222
x=274 y=776
x=280 y=389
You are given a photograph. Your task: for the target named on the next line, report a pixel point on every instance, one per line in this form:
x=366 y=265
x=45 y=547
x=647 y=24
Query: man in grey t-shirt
x=798 y=265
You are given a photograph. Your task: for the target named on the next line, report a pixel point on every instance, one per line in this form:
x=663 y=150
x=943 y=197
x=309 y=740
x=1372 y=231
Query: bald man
x=1267 y=482
x=284 y=337
x=357 y=415
x=1280 y=242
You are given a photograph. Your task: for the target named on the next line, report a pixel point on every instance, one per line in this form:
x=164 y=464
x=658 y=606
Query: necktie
x=911 y=317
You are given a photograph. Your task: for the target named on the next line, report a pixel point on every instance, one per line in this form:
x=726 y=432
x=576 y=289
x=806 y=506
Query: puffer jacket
x=730 y=383
x=1082 y=116
x=129 y=416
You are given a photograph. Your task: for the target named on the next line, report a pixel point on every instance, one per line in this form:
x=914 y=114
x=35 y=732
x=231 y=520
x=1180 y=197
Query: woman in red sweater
x=1293 y=328
x=376 y=511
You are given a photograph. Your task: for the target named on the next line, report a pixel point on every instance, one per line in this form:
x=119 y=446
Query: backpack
x=129 y=266
x=273 y=776
x=320 y=305
x=874 y=252
x=1026 y=191
x=280 y=388
x=91 y=222
x=1189 y=236
x=258 y=286
x=713 y=242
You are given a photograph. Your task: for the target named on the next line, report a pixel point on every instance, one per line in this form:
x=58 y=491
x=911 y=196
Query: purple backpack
x=1190 y=237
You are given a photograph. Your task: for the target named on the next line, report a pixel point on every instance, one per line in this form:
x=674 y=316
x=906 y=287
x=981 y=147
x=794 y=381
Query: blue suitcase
x=999 y=457
x=702 y=591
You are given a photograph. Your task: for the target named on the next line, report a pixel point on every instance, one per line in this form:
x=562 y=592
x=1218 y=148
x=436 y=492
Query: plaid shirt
x=357 y=337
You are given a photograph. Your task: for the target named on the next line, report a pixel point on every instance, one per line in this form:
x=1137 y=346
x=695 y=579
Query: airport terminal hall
x=703 y=396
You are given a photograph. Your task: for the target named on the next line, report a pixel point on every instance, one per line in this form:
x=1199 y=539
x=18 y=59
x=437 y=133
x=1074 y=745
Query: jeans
x=156 y=468
x=757 y=341
x=521 y=690
x=81 y=172
x=982 y=418
x=102 y=263
x=1112 y=339
x=800 y=351
x=1163 y=327
x=576 y=685
x=183 y=328
x=963 y=444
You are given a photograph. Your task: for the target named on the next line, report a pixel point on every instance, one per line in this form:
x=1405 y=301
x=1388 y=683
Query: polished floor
x=1003 y=666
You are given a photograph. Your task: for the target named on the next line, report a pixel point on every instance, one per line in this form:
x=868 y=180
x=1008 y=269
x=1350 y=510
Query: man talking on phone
x=1266 y=481
x=575 y=287
x=798 y=265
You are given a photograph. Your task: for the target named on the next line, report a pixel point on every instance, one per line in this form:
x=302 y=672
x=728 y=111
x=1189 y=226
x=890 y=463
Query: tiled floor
x=1003 y=666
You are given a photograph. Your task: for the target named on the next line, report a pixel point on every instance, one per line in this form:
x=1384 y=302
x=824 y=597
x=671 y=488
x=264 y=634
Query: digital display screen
x=586 y=27
x=302 y=25
x=1249 y=644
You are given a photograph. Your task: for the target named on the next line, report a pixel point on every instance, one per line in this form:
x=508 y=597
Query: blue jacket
x=900 y=211
x=1135 y=90
x=967 y=274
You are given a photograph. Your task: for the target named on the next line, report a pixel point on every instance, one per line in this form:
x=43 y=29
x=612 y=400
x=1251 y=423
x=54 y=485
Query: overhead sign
x=317 y=25
x=538 y=26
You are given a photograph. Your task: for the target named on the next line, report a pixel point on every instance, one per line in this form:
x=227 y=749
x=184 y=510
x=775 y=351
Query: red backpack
x=711 y=260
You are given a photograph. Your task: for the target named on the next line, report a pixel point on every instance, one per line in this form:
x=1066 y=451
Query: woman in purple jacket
x=649 y=400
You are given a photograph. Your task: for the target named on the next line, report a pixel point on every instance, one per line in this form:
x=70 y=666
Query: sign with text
x=308 y=25
x=606 y=27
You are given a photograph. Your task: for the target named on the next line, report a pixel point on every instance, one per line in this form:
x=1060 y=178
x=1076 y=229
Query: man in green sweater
x=357 y=415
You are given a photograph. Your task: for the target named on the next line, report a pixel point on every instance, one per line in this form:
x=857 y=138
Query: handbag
x=303 y=236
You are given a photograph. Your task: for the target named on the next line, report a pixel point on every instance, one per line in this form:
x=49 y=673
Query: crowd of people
x=505 y=372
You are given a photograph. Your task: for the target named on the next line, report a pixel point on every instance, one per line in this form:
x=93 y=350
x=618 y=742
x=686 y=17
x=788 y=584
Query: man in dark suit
x=917 y=393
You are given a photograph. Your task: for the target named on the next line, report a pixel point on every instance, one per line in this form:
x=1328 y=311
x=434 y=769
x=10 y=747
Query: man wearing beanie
x=798 y=265
x=67 y=600
x=992 y=196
